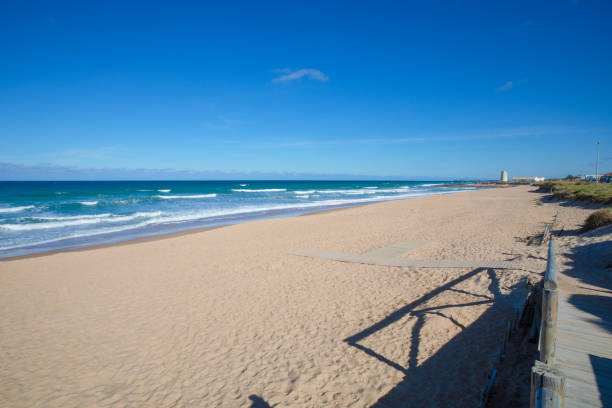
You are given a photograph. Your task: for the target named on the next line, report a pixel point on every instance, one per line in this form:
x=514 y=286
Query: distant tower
x=504 y=176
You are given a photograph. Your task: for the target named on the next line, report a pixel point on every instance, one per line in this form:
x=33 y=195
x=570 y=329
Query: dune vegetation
x=598 y=219
x=579 y=191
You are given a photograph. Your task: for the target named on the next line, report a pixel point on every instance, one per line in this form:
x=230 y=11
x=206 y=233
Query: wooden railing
x=548 y=229
x=547 y=382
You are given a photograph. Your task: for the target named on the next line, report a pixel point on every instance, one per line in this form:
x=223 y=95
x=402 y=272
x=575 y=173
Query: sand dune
x=213 y=318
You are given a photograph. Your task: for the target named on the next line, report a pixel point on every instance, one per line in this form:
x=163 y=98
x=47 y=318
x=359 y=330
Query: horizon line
x=272 y=179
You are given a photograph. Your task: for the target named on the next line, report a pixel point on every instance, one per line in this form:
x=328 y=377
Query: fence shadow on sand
x=457 y=373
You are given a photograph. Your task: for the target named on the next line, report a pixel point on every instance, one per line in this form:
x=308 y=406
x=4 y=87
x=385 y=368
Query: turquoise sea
x=41 y=216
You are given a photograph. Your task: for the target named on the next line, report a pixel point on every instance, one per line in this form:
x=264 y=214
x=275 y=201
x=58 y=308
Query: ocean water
x=42 y=216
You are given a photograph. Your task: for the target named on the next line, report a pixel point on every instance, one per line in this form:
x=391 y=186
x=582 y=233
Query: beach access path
x=584 y=334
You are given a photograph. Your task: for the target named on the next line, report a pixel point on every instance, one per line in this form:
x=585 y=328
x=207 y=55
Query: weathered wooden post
x=550 y=301
x=547 y=387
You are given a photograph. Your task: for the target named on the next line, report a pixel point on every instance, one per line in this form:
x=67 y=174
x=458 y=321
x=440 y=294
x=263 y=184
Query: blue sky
x=416 y=90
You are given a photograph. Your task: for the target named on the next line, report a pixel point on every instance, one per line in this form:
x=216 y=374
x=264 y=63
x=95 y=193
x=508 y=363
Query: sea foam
x=8 y=210
x=78 y=220
x=170 y=197
x=263 y=190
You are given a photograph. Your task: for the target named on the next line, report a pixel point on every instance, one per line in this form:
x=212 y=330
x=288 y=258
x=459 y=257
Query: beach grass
x=579 y=191
x=598 y=219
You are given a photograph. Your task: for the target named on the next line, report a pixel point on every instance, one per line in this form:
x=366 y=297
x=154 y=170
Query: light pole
x=597 y=164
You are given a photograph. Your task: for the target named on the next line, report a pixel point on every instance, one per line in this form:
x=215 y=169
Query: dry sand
x=229 y=318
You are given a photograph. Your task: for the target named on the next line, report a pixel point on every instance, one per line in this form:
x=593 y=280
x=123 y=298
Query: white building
x=528 y=179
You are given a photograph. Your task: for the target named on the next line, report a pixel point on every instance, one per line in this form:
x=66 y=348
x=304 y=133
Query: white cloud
x=222 y=123
x=309 y=73
x=92 y=153
x=491 y=134
x=12 y=171
x=508 y=85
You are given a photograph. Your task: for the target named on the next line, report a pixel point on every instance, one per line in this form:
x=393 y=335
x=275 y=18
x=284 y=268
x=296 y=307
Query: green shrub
x=588 y=192
x=598 y=219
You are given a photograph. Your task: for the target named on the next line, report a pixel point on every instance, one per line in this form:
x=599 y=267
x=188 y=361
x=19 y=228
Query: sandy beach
x=229 y=317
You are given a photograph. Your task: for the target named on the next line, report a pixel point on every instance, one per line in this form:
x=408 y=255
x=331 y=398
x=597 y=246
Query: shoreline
x=164 y=236
x=112 y=244
x=189 y=230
